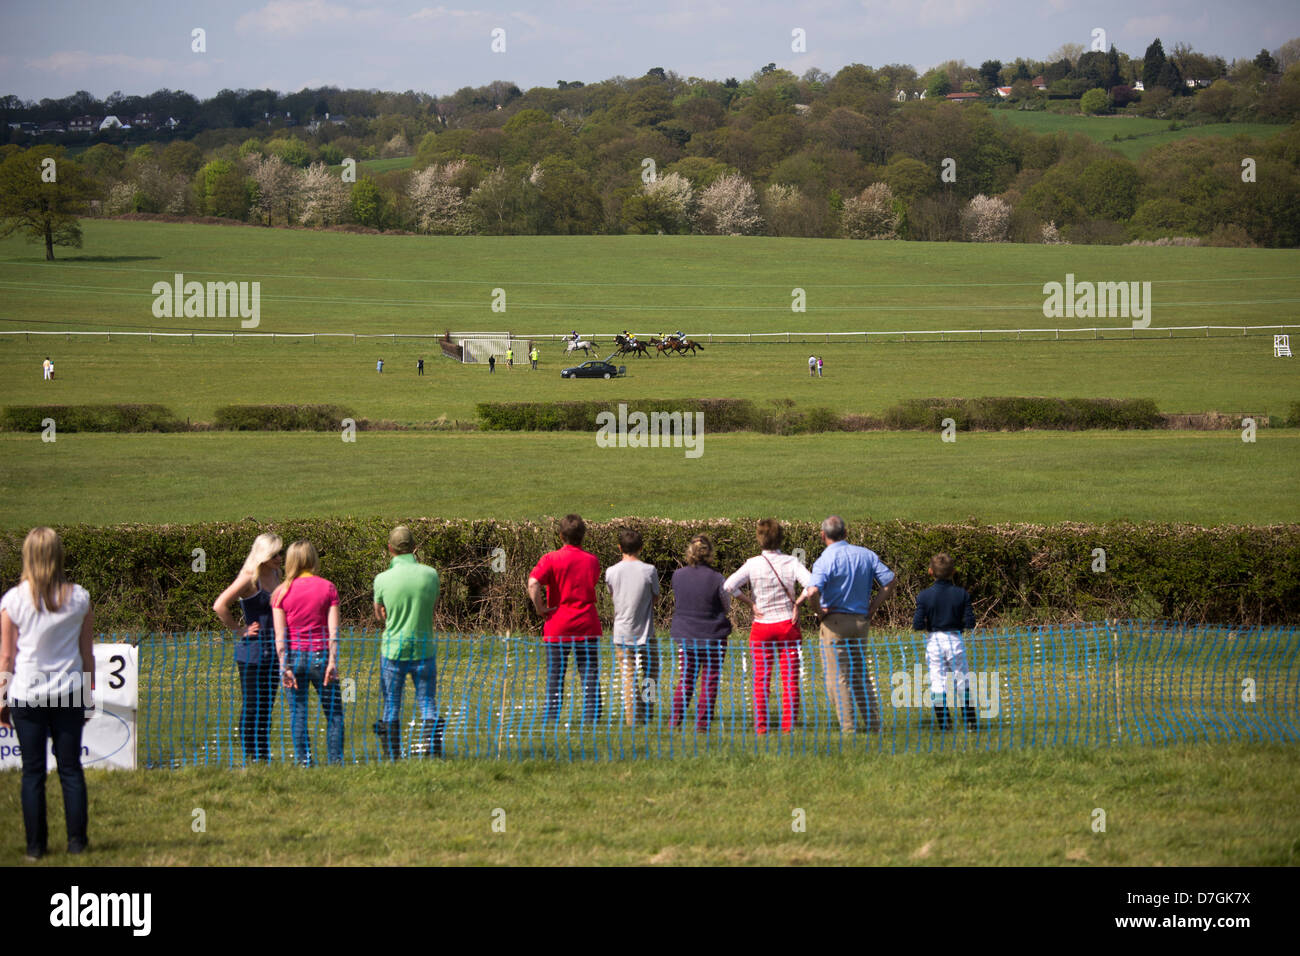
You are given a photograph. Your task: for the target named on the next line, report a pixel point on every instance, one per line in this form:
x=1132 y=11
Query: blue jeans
x=309 y=668
x=34 y=725
x=257 y=681
x=392 y=679
x=586 y=654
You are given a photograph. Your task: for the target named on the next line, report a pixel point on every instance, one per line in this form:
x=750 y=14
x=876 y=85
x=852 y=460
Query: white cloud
x=80 y=61
x=293 y=16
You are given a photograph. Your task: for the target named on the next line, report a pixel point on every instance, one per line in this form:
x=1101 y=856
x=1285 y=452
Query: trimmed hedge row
x=996 y=414
x=142 y=577
x=92 y=418
x=782 y=417
x=280 y=418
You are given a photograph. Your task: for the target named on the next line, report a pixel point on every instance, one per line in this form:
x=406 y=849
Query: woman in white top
x=46 y=661
x=773 y=579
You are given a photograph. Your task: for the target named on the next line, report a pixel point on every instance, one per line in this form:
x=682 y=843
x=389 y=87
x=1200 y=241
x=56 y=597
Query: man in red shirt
x=568 y=608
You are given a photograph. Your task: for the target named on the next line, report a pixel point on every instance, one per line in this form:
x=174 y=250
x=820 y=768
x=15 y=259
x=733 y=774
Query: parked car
x=595 y=369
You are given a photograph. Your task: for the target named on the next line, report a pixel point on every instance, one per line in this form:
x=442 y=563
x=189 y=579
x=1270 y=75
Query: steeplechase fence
x=809 y=336
x=1097 y=684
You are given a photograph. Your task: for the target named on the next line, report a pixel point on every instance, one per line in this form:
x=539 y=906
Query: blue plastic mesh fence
x=488 y=697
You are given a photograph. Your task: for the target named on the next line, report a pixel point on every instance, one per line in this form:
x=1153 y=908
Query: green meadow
x=1132 y=136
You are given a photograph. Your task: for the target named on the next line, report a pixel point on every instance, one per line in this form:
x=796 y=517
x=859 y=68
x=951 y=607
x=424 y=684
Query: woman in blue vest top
x=255 y=651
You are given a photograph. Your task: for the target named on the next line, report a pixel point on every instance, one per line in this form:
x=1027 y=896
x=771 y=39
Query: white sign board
x=108 y=738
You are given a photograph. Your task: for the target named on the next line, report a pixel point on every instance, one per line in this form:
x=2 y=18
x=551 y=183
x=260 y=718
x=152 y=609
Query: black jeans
x=258 y=683
x=35 y=725
x=586 y=654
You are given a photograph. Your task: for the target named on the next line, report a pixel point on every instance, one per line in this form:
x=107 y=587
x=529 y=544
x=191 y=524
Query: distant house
x=962 y=97
x=52 y=127
x=143 y=121
x=335 y=120
x=84 y=124
x=803 y=109
x=1038 y=82
x=1004 y=91
x=110 y=122
x=1139 y=87
x=171 y=122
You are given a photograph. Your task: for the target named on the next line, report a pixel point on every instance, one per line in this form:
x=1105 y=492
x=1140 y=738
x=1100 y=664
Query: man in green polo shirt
x=404 y=598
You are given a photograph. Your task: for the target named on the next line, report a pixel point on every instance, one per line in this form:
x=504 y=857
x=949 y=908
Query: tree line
x=780 y=155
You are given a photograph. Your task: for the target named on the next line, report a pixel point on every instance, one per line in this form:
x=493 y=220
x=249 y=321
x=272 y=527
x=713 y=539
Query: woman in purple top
x=699 y=627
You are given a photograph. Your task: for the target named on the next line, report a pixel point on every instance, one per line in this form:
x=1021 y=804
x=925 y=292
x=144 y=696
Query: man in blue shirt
x=842 y=581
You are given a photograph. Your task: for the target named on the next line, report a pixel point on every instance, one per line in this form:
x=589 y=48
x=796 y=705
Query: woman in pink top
x=305 y=609
x=773 y=578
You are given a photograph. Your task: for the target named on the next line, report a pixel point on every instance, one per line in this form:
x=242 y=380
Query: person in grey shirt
x=634 y=586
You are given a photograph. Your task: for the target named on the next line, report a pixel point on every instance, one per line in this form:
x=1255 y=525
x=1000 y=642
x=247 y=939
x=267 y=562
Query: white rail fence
x=708 y=338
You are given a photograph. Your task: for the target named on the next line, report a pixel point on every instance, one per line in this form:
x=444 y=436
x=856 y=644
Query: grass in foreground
x=1200 y=477
x=1214 y=804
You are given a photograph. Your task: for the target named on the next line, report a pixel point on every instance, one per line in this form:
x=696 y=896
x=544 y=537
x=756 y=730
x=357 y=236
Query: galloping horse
x=690 y=345
x=663 y=345
x=636 y=348
x=583 y=344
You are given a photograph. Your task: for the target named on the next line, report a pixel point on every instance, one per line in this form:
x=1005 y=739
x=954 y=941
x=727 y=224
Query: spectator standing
x=812 y=366
x=379 y=366
x=842 y=580
x=47 y=369
x=419 y=366
x=306 y=613
x=699 y=628
x=533 y=356
x=568 y=607
x=510 y=358
x=819 y=366
x=255 y=651
x=634 y=585
x=492 y=363
x=46 y=663
x=773 y=577
x=944 y=610
x=405 y=596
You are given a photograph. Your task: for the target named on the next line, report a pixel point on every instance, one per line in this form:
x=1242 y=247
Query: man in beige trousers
x=842 y=582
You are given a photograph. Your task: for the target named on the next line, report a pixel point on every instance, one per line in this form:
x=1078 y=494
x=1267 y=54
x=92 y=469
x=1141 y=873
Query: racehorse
x=690 y=345
x=663 y=345
x=583 y=344
x=625 y=346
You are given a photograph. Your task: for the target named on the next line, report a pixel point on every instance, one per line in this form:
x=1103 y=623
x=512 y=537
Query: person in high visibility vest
x=533 y=356
x=510 y=358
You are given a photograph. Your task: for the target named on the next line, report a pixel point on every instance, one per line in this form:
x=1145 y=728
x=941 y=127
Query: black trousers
x=35 y=725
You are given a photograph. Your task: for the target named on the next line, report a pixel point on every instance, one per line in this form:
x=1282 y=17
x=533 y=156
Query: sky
x=55 y=47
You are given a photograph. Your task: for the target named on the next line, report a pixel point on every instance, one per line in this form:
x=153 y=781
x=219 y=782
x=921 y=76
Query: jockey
x=679 y=335
x=574 y=335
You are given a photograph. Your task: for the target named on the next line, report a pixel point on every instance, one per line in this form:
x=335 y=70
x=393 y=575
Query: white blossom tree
x=986 y=219
x=729 y=207
x=438 y=205
x=674 y=196
x=324 y=197
x=278 y=185
x=871 y=214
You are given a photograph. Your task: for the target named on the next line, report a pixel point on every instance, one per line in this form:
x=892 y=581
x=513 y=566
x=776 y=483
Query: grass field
x=1213 y=804
x=1132 y=136
x=321 y=281
x=1204 y=804
x=1201 y=477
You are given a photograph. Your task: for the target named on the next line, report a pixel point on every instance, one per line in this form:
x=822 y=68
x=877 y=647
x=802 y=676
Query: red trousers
x=780 y=642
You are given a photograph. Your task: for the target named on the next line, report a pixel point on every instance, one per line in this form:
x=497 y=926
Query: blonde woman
x=255 y=652
x=306 y=613
x=46 y=626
